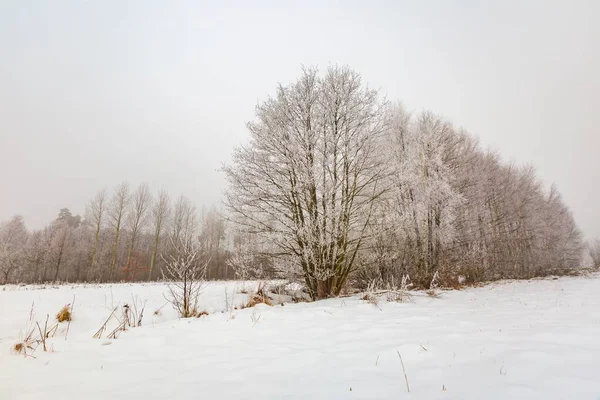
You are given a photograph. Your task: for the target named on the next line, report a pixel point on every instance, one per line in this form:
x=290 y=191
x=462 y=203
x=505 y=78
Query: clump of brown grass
x=64 y=314
x=201 y=313
x=257 y=298
x=19 y=348
x=27 y=344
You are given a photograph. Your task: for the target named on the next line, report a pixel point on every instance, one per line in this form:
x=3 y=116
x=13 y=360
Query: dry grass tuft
x=201 y=313
x=64 y=314
x=27 y=344
x=257 y=299
x=19 y=348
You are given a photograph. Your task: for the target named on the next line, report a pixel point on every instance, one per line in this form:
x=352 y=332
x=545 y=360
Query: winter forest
x=336 y=187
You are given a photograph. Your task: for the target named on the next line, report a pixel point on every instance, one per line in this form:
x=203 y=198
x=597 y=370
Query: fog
x=96 y=93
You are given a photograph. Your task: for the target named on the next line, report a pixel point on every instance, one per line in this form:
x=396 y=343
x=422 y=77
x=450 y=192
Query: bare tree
x=160 y=215
x=138 y=217
x=116 y=217
x=310 y=178
x=185 y=270
x=94 y=215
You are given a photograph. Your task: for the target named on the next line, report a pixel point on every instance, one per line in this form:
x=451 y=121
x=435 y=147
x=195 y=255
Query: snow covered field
x=519 y=340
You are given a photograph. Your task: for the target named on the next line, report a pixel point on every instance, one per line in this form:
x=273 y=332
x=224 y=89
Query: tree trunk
x=58 y=264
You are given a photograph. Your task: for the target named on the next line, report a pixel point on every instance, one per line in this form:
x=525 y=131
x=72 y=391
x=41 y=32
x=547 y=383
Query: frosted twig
x=69 y=323
x=404 y=371
x=100 y=331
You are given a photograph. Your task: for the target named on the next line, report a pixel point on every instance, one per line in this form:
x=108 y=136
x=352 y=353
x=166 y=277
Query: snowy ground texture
x=520 y=340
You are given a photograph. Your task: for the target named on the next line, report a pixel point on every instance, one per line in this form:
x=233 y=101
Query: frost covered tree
x=213 y=238
x=458 y=211
x=310 y=177
x=35 y=255
x=159 y=219
x=137 y=217
x=245 y=260
x=594 y=248
x=13 y=237
x=185 y=271
x=426 y=199
x=184 y=219
x=117 y=213
x=60 y=236
x=95 y=215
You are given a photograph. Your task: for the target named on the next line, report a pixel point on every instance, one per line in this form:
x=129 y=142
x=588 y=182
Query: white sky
x=94 y=93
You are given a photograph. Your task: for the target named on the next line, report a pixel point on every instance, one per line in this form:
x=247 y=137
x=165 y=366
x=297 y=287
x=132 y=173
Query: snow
x=517 y=339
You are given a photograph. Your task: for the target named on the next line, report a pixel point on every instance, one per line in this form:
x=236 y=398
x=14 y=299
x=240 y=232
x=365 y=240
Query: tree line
x=335 y=185
x=340 y=185
x=124 y=235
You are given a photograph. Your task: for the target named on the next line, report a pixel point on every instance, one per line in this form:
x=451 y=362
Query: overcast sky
x=93 y=93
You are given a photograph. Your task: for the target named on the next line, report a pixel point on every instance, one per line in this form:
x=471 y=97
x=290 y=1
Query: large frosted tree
x=310 y=178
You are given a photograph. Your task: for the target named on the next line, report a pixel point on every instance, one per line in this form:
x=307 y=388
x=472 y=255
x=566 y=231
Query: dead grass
x=48 y=332
x=201 y=313
x=19 y=348
x=257 y=299
x=64 y=314
x=100 y=331
x=26 y=346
